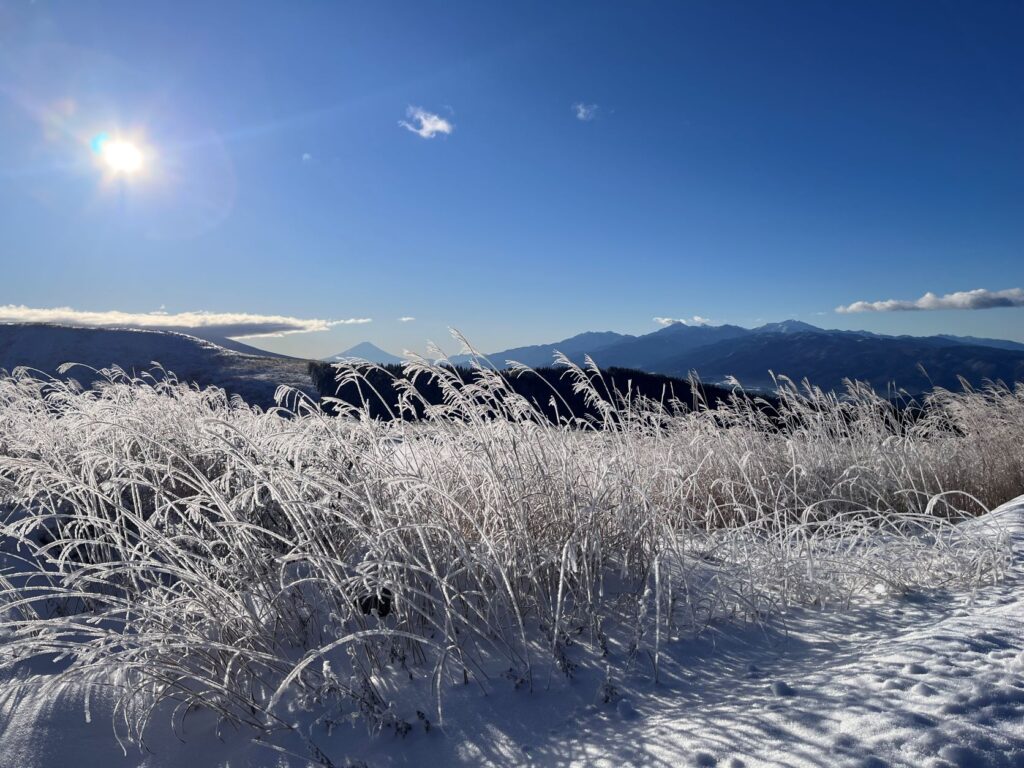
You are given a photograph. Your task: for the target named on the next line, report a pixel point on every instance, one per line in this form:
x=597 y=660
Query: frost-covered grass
x=192 y=549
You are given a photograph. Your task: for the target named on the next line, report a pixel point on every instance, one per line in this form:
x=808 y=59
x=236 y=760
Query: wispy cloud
x=585 y=112
x=695 y=320
x=425 y=124
x=307 y=157
x=976 y=299
x=234 y=325
x=406 y=319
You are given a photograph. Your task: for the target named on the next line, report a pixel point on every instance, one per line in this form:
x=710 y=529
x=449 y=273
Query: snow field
x=741 y=584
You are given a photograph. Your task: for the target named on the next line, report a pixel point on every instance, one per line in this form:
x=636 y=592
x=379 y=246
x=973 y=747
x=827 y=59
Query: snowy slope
x=223 y=341
x=46 y=347
x=924 y=680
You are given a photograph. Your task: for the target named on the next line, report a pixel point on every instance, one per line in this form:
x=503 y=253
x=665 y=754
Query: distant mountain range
x=792 y=348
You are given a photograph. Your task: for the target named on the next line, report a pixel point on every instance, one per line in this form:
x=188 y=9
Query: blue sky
x=742 y=162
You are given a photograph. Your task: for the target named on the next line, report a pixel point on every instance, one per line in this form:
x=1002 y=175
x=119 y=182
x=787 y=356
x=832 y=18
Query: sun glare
x=122 y=157
x=118 y=156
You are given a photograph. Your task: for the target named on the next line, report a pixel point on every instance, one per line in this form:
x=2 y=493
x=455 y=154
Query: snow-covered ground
x=930 y=679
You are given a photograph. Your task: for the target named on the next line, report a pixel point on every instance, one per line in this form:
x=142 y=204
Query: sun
x=122 y=157
x=119 y=157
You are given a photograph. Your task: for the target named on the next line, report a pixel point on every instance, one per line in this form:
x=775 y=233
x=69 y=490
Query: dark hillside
x=539 y=387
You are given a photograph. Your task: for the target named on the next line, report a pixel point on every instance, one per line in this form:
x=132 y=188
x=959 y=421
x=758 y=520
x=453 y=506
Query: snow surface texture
x=46 y=347
x=929 y=679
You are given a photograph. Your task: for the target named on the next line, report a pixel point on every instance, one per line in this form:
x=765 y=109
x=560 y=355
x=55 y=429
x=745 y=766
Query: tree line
x=551 y=391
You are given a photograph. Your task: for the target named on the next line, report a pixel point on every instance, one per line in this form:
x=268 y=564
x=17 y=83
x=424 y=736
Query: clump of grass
x=206 y=553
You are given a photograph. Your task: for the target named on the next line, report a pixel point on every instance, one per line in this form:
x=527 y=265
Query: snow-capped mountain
x=366 y=351
x=795 y=349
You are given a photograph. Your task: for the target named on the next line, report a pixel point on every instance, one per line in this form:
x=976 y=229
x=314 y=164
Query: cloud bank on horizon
x=979 y=298
x=233 y=325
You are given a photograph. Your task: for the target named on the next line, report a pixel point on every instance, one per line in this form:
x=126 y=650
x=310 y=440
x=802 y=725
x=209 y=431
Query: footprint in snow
x=844 y=741
x=914 y=669
x=961 y=755
x=782 y=688
x=626 y=710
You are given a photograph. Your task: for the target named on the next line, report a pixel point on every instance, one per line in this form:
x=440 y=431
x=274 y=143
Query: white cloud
x=307 y=157
x=235 y=325
x=585 y=112
x=406 y=319
x=426 y=124
x=695 y=320
x=976 y=299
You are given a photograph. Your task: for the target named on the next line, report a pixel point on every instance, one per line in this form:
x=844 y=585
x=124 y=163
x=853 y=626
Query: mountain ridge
x=796 y=349
x=715 y=354
x=46 y=346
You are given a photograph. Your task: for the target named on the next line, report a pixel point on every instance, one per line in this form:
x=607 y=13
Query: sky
x=338 y=172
